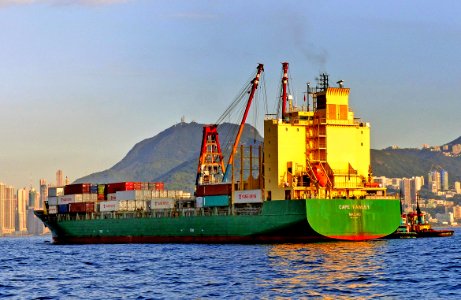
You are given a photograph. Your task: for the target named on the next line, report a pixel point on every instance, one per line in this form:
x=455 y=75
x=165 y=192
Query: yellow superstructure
x=318 y=153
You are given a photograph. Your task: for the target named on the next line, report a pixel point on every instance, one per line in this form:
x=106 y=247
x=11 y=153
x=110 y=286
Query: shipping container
x=214 y=189
x=93 y=197
x=221 y=200
x=101 y=189
x=93 y=189
x=156 y=186
x=77 y=188
x=55 y=191
x=81 y=207
x=63 y=208
x=52 y=209
x=133 y=195
x=164 y=203
x=128 y=195
x=127 y=205
x=105 y=206
x=248 y=196
x=119 y=186
x=199 y=202
x=111 y=197
x=132 y=205
x=52 y=200
x=85 y=198
x=70 y=199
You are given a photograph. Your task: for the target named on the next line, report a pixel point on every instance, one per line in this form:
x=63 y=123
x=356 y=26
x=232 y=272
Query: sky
x=83 y=81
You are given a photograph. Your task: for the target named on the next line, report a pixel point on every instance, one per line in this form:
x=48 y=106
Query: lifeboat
x=320 y=175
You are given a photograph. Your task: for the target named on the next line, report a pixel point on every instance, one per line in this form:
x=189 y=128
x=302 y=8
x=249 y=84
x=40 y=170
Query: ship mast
x=284 y=88
x=254 y=86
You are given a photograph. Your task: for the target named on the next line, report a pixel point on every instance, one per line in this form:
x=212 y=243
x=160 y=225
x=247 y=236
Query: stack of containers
x=101 y=192
x=125 y=196
x=53 y=194
x=213 y=195
x=79 y=197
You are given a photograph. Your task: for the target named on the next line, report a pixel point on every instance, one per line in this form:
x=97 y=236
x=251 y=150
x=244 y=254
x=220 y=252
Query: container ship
x=310 y=180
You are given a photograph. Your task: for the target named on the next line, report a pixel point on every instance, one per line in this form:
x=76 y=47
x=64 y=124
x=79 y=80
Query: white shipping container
x=147 y=194
x=52 y=209
x=140 y=205
x=248 y=196
x=108 y=206
x=86 y=197
x=111 y=197
x=199 y=202
x=127 y=205
x=52 y=200
x=130 y=195
x=66 y=199
x=162 y=203
x=55 y=191
x=93 y=197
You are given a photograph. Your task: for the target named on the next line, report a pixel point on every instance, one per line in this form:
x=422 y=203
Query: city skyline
x=84 y=81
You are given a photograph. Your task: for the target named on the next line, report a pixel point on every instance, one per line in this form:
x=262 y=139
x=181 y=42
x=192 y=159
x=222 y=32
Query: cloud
x=60 y=2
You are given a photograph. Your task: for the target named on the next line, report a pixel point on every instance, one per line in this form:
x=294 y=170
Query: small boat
x=415 y=225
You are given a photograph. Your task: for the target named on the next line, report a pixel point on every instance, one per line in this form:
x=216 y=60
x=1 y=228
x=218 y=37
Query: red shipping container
x=156 y=186
x=137 y=186
x=81 y=207
x=77 y=207
x=119 y=186
x=213 y=189
x=89 y=206
x=77 y=188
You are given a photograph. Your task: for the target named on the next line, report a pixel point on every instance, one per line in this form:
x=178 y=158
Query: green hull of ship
x=354 y=219
x=279 y=222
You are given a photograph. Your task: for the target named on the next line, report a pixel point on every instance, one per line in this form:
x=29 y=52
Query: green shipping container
x=221 y=200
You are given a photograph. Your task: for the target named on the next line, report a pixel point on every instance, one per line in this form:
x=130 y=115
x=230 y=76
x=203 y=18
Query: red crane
x=284 y=88
x=254 y=86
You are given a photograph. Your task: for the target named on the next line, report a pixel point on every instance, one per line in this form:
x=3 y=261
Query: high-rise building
x=458 y=187
x=434 y=181
x=409 y=189
x=34 y=225
x=7 y=209
x=405 y=193
x=43 y=194
x=444 y=180
x=21 y=211
x=59 y=178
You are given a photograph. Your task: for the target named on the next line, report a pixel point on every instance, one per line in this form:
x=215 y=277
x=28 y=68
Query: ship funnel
x=340 y=83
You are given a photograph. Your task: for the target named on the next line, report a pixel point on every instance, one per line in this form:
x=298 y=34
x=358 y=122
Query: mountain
x=171 y=156
x=413 y=162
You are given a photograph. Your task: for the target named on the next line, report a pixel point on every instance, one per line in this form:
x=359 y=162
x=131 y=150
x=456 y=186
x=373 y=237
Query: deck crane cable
x=233 y=114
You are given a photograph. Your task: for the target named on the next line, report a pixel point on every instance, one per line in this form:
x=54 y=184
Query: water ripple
x=32 y=268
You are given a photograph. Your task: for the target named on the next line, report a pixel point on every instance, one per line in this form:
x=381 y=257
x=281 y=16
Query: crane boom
x=254 y=86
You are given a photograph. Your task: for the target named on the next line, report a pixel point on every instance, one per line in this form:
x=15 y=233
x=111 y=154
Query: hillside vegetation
x=172 y=157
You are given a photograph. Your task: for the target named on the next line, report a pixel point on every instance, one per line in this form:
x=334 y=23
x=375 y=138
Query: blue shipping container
x=94 y=189
x=63 y=208
x=221 y=200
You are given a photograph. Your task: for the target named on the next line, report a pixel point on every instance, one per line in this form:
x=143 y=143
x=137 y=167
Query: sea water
x=428 y=268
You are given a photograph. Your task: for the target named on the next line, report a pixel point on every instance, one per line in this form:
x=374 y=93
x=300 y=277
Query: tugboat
x=415 y=225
